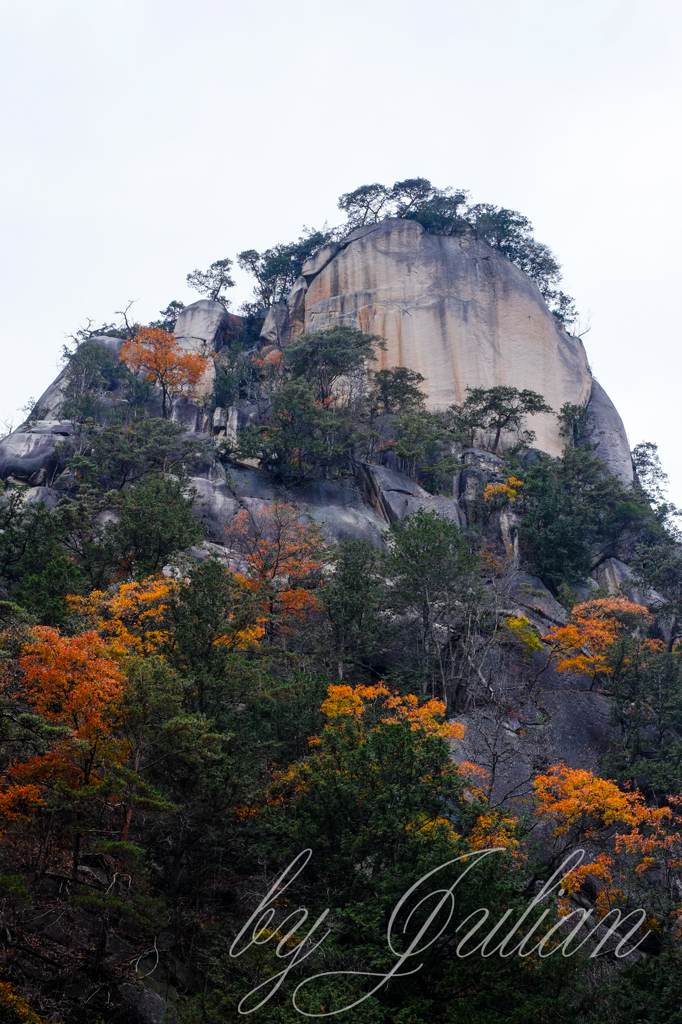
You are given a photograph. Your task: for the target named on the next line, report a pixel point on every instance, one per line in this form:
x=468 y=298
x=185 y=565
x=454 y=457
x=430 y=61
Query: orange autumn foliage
x=586 y=808
x=130 y=620
x=509 y=489
x=579 y=800
x=156 y=355
x=283 y=556
x=583 y=644
x=14 y=1009
x=354 y=715
x=73 y=683
x=354 y=701
x=70 y=681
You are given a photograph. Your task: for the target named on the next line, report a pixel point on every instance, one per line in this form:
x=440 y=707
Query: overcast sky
x=144 y=138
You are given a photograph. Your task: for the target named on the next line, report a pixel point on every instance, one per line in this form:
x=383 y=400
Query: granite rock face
x=609 y=433
x=200 y=329
x=459 y=313
x=28 y=453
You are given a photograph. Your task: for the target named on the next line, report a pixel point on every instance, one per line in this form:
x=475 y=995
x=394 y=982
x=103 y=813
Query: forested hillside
x=192 y=698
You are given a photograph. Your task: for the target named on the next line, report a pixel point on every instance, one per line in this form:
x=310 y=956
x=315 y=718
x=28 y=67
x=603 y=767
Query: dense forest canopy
x=185 y=708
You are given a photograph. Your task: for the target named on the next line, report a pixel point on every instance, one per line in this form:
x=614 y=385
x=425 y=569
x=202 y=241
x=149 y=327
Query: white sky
x=143 y=138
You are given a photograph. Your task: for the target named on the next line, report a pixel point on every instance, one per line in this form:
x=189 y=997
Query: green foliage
x=657 y=566
x=575 y=424
x=425 y=444
x=413 y=198
x=397 y=390
x=496 y=411
x=214 y=282
x=646 y=707
x=325 y=356
x=435 y=577
x=354 y=597
x=650 y=475
x=209 y=605
x=276 y=269
x=92 y=373
x=303 y=438
x=443 y=212
x=169 y=316
x=570 y=505
x=35 y=567
x=510 y=232
x=155 y=523
x=112 y=457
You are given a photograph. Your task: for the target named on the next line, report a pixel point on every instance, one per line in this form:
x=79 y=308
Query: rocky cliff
x=451 y=308
x=459 y=313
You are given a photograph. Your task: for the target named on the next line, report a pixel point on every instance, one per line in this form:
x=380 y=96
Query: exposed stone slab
x=609 y=434
x=535 y=599
x=201 y=329
x=454 y=310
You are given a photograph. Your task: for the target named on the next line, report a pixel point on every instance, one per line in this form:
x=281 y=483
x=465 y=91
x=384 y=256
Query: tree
x=323 y=357
x=112 y=457
x=397 y=390
x=92 y=372
x=276 y=269
x=438 y=210
x=636 y=845
x=169 y=316
x=156 y=521
x=156 y=355
x=649 y=471
x=76 y=687
x=354 y=596
x=435 y=580
x=211 y=614
x=586 y=644
x=283 y=557
x=132 y=619
x=573 y=512
x=213 y=282
x=657 y=566
x=35 y=567
x=510 y=232
x=380 y=802
x=424 y=443
x=646 y=706
x=303 y=439
x=365 y=205
x=497 y=410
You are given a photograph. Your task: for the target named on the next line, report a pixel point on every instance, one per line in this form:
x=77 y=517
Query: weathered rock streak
x=454 y=310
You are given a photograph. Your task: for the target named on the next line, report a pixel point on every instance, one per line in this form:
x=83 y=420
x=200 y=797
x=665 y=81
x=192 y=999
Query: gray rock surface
x=609 y=434
x=616 y=577
x=536 y=602
x=395 y=496
x=457 y=312
x=201 y=329
x=545 y=727
x=28 y=453
x=145 y=1005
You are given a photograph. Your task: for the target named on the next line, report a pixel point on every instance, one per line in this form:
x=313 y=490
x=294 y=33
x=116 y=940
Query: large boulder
x=201 y=329
x=395 y=496
x=28 y=453
x=456 y=311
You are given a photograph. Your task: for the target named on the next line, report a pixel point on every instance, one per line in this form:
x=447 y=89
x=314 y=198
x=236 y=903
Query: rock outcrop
x=451 y=308
x=201 y=329
x=459 y=313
